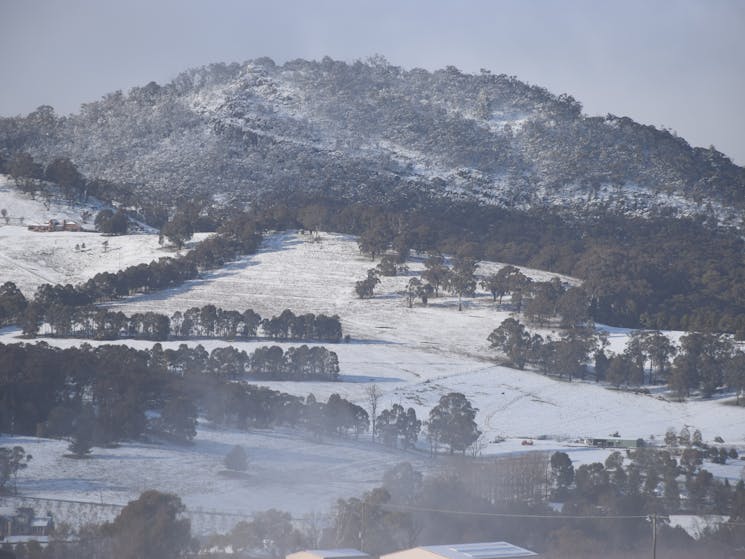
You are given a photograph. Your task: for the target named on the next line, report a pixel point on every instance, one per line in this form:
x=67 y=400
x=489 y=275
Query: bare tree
x=373 y=394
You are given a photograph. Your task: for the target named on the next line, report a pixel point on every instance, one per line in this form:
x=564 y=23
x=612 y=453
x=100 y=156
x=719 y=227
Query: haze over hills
x=381 y=207
x=369 y=130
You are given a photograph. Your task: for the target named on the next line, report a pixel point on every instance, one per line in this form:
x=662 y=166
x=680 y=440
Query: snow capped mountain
x=371 y=130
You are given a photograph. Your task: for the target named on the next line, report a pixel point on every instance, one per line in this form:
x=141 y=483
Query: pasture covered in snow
x=414 y=355
x=30 y=259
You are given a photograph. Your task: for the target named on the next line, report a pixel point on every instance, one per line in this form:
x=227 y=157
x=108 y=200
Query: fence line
x=77 y=513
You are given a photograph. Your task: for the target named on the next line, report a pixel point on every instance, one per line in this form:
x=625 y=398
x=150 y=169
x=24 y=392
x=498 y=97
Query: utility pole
x=362 y=528
x=654 y=536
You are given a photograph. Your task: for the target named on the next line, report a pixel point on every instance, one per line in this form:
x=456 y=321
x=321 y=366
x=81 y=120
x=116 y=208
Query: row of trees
x=207 y=322
x=296 y=363
x=566 y=356
x=309 y=326
x=648 y=480
x=269 y=363
x=703 y=363
x=707 y=362
x=99 y=393
x=108 y=393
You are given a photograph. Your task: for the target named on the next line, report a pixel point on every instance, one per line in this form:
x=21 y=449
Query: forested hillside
x=375 y=131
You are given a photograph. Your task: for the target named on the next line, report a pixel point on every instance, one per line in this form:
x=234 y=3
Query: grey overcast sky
x=673 y=63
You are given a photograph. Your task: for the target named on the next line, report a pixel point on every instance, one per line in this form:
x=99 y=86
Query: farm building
x=613 y=442
x=55 y=225
x=488 y=550
x=23 y=522
x=329 y=554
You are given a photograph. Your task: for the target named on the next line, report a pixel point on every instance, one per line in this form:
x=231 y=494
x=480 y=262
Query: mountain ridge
x=238 y=132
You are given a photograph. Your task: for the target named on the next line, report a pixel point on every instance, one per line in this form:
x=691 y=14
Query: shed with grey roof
x=329 y=554
x=486 y=550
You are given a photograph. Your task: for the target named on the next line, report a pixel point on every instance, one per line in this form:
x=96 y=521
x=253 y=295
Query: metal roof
x=488 y=550
x=334 y=553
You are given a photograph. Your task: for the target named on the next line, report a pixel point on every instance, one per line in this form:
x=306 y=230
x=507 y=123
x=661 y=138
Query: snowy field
x=30 y=259
x=292 y=272
x=286 y=471
x=413 y=355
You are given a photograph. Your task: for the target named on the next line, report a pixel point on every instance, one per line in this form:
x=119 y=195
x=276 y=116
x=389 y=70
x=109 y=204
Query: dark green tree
x=734 y=375
x=572 y=352
x=270 y=533
x=562 y=474
x=26 y=172
x=12 y=303
x=622 y=370
x=313 y=217
x=700 y=363
x=365 y=287
x=375 y=239
x=111 y=223
x=179 y=418
x=660 y=350
x=64 y=172
x=513 y=340
x=462 y=278
x=436 y=271
x=179 y=229
x=452 y=422
x=150 y=527
x=82 y=436
x=542 y=305
x=367 y=524
x=12 y=460
x=502 y=282
x=574 y=307
x=387 y=266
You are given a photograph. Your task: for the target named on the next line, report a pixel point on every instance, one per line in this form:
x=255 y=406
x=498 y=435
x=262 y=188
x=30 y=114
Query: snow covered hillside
x=30 y=259
x=356 y=131
x=413 y=355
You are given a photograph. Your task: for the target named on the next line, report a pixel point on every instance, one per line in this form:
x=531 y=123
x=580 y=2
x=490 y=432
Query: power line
x=715 y=518
x=514 y=515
